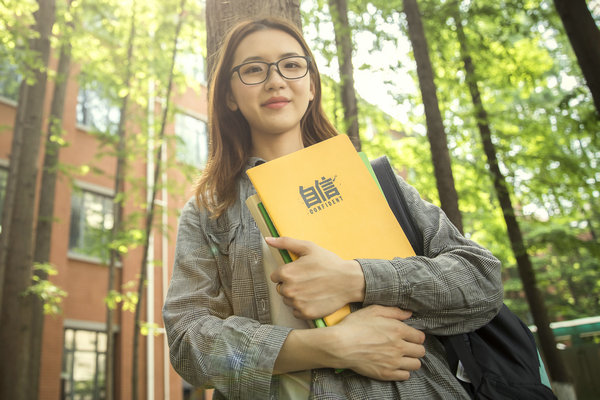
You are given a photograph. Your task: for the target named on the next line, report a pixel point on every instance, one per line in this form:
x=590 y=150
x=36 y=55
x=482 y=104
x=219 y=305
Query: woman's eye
x=252 y=69
x=291 y=65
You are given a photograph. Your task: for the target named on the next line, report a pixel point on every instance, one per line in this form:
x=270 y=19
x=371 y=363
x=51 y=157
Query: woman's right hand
x=374 y=342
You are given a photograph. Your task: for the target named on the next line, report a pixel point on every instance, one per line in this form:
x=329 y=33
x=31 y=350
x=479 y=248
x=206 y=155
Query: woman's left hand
x=319 y=282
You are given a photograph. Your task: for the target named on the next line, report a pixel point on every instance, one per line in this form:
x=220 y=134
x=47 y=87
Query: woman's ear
x=231 y=104
x=312 y=90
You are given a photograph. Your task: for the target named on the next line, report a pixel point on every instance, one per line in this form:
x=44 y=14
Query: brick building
x=74 y=343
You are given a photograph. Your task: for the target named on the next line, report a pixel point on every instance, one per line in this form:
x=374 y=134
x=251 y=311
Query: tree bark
x=584 y=35
x=11 y=185
x=151 y=206
x=46 y=210
x=114 y=256
x=343 y=41
x=222 y=15
x=435 y=125
x=17 y=257
x=556 y=367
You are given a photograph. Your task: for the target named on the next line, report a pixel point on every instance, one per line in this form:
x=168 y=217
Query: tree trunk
x=343 y=41
x=556 y=367
x=222 y=15
x=18 y=256
x=118 y=212
x=435 y=126
x=11 y=184
x=584 y=36
x=46 y=209
x=151 y=206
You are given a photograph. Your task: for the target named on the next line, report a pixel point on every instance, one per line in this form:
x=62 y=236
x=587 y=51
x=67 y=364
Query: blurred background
x=491 y=109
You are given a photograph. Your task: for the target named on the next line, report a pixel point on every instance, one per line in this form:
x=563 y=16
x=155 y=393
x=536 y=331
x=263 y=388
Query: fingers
x=414 y=351
x=397 y=375
x=402 y=367
x=413 y=335
x=392 y=362
x=296 y=246
x=385 y=312
x=410 y=363
x=390 y=312
x=410 y=334
x=402 y=370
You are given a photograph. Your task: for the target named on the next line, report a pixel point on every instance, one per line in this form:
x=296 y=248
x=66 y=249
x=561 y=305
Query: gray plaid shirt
x=217 y=309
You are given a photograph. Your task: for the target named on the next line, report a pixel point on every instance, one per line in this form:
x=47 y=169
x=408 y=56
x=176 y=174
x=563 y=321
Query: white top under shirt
x=296 y=385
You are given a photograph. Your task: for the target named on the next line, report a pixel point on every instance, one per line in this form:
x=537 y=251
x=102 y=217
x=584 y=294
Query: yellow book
x=324 y=193
x=252 y=203
x=266 y=228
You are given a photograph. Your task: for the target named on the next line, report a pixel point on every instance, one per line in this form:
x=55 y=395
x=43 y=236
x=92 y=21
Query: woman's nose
x=274 y=77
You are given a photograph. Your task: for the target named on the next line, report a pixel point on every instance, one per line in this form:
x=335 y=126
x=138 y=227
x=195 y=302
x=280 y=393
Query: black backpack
x=501 y=358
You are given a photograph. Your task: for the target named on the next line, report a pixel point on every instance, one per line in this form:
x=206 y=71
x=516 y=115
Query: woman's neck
x=275 y=146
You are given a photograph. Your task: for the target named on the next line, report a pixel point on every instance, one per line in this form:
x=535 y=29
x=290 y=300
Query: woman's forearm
x=373 y=342
x=307 y=349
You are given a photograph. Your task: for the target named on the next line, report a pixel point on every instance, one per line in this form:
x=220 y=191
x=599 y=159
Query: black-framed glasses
x=255 y=72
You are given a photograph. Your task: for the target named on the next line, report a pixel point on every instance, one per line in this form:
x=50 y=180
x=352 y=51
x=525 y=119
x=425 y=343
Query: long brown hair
x=229 y=132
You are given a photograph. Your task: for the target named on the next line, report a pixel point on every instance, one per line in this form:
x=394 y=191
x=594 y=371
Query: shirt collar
x=253 y=162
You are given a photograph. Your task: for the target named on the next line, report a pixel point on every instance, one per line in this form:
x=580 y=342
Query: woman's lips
x=276 y=102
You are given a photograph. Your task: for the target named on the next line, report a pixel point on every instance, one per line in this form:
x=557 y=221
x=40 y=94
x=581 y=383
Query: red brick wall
x=85 y=282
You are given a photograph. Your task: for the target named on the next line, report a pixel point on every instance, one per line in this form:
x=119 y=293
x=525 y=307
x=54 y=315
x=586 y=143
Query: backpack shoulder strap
x=501 y=358
x=389 y=185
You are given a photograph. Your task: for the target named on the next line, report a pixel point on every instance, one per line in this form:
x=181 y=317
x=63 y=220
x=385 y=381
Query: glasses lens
x=253 y=73
x=293 y=67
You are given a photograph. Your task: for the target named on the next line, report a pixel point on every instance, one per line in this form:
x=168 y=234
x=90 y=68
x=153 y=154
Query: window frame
x=94 y=103
x=69 y=356
x=198 y=162
x=97 y=190
x=14 y=72
x=191 y=64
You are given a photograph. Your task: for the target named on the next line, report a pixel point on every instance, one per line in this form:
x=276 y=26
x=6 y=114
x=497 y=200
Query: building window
x=3 y=179
x=91 y=223
x=192 y=140
x=95 y=111
x=192 y=65
x=83 y=369
x=10 y=80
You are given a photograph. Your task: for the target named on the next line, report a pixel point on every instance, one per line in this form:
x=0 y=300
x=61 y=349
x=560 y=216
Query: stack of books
x=326 y=193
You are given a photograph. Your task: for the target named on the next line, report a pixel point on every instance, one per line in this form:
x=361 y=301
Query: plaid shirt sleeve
x=209 y=346
x=456 y=287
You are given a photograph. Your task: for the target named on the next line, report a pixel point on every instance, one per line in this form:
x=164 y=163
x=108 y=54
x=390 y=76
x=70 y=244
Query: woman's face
x=276 y=106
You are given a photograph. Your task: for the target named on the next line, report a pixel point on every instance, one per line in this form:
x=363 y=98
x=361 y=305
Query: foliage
x=542 y=121
x=101 y=29
x=16 y=20
x=96 y=31
x=50 y=294
x=541 y=113
x=147 y=328
x=127 y=298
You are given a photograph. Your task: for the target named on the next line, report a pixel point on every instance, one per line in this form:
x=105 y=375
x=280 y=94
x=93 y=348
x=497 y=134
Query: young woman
x=237 y=323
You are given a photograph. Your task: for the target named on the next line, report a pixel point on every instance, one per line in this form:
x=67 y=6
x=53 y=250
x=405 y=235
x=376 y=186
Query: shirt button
x=263 y=305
